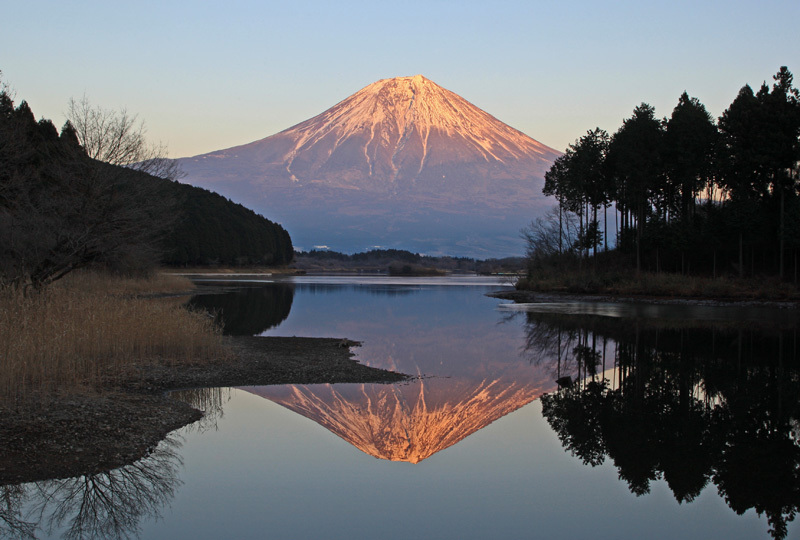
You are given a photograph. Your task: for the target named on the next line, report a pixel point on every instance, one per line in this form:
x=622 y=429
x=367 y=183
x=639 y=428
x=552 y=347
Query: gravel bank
x=98 y=430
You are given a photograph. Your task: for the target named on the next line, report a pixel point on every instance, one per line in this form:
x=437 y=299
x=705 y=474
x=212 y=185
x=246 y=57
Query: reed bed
x=89 y=328
x=98 y=282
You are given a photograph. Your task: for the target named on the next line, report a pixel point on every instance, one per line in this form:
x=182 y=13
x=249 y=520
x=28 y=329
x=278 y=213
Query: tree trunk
x=588 y=216
x=741 y=255
x=714 y=271
x=639 y=242
x=560 y=228
x=594 y=240
x=781 y=235
x=580 y=236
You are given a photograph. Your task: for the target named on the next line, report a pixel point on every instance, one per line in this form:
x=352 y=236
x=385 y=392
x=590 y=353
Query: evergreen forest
x=684 y=194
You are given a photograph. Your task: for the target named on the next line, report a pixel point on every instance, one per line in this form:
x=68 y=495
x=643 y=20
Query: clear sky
x=210 y=75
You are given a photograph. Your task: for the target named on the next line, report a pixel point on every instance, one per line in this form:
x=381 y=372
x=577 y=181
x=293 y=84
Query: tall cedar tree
x=758 y=156
x=689 y=142
x=636 y=154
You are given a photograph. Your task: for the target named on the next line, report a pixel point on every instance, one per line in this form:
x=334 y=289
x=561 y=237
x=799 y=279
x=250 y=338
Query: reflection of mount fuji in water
x=472 y=369
x=405 y=422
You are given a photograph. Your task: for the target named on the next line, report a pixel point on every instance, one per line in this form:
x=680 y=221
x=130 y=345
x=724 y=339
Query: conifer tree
x=689 y=141
x=636 y=154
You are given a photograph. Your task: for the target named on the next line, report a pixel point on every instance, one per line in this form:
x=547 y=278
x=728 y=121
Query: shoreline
x=98 y=430
x=532 y=297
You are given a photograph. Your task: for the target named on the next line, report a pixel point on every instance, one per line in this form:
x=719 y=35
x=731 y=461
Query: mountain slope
x=394 y=164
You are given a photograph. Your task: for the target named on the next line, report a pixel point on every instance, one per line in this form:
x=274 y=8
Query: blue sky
x=210 y=75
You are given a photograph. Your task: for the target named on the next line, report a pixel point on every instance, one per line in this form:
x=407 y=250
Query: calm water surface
x=666 y=422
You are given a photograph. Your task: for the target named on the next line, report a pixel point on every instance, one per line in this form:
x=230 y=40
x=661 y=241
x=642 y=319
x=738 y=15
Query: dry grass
x=95 y=282
x=90 y=327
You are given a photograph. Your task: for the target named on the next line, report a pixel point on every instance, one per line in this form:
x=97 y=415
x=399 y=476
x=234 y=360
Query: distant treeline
x=687 y=194
x=383 y=259
x=61 y=210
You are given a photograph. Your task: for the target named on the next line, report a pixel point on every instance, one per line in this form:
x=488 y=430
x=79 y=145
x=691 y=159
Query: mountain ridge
x=403 y=150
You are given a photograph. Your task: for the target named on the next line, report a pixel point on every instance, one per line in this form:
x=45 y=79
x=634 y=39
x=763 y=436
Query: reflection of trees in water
x=12 y=522
x=376 y=290
x=248 y=311
x=209 y=400
x=104 y=505
x=392 y=290
x=574 y=350
x=691 y=405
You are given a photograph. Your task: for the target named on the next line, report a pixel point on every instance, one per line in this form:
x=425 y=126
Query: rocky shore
x=97 y=430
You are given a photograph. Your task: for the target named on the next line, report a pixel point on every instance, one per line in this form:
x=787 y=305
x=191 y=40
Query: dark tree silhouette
x=635 y=154
x=689 y=142
x=745 y=171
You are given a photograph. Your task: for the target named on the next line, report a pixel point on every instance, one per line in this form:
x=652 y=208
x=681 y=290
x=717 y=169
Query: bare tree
x=119 y=138
x=60 y=210
x=556 y=233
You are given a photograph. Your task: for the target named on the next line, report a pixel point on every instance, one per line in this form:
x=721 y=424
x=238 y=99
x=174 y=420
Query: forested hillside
x=61 y=210
x=214 y=230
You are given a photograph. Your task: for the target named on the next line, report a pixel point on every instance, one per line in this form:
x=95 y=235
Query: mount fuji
x=402 y=163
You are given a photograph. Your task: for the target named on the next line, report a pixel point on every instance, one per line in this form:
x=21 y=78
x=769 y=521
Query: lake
x=564 y=420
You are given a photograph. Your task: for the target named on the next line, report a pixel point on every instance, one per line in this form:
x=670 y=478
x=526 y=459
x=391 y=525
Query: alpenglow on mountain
x=402 y=163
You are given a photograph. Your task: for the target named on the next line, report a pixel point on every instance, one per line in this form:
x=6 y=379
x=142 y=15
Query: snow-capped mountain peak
x=397 y=146
x=400 y=115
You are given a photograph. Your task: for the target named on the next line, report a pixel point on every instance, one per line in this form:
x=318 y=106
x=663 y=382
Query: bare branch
x=119 y=138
